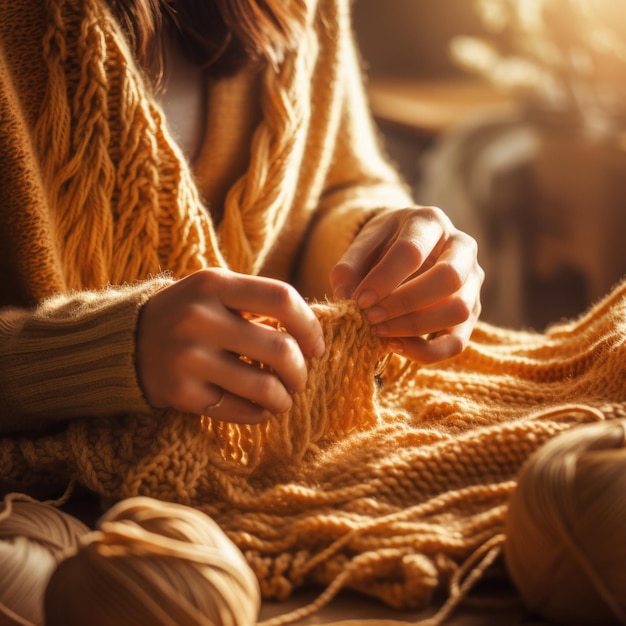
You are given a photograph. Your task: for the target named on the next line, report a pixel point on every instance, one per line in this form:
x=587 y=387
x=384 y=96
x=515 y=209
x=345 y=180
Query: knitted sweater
x=94 y=193
x=384 y=476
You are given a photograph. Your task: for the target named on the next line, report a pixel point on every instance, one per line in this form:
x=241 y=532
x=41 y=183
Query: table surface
x=349 y=606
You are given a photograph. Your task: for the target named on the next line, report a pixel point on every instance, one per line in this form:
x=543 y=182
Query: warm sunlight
x=569 y=53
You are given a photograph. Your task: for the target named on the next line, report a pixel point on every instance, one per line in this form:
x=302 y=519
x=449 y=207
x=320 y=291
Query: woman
x=154 y=217
x=170 y=170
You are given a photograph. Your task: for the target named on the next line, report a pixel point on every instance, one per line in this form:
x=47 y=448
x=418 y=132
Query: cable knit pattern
x=384 y=476
x=94 y=192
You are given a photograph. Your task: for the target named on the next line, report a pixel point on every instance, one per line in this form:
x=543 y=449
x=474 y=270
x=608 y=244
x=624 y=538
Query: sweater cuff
x=73 y=356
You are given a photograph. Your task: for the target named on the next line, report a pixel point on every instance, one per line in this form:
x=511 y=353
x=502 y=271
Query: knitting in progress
x=382 y=478
x=385 y=476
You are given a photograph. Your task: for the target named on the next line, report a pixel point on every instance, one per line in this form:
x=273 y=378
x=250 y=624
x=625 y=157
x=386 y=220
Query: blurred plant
x=566 y=58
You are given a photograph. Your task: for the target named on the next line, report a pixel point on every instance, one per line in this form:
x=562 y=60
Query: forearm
x=72 y=356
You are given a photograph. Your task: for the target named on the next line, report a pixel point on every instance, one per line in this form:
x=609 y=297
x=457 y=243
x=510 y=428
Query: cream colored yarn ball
x=566 y=527
x=155 y=563
x=34 y=537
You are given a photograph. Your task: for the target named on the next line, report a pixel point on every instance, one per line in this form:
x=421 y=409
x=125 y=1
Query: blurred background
x=511 y=116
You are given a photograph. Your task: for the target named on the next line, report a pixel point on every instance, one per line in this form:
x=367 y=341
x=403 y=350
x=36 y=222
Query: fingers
x=431 y=350
x=193 y=340
x=223 y=333
x=265 y=393
x=454 y=281
x=419 y=284
x=430 y=335
x=443 y=314
x=358 y=259
x=418 y=235
x=386 y=252
x=274 y=299
x=240 y=389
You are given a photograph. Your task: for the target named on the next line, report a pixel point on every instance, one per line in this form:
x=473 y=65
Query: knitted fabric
x=94 y=193
x=97 y=192
x=384 y=477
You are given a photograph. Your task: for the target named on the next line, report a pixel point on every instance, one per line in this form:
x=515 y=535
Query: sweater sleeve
x=360 y=181
x=72 y=356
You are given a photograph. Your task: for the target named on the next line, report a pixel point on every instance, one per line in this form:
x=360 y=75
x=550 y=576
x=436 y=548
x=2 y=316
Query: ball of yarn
x=566 y=527
x=157 y=563
x=34 y=537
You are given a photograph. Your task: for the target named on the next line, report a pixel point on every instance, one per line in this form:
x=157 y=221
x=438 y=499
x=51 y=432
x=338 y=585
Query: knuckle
x=461 y=310
x=430 y=212
x=283 y=295
x=470 y=242
x=435 y=214
x=477 y=310
x=454 y=345
x=451 y=276
x=411 y=251
x=481 y=274
x=285 y=349
x=209 y=279
x=267 y=391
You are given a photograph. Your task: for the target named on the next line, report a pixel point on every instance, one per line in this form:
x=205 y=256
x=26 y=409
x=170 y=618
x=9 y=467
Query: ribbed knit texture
x=383 y=481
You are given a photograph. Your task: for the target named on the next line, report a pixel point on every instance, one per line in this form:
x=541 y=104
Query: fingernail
x=376 y=315
x=367 y=299
x=343 y=292
x=319 y=348
x=396 y=346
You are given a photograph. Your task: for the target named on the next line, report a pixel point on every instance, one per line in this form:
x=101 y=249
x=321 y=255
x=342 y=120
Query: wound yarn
x=566 y=527
x=157 y=563
x=34 y=537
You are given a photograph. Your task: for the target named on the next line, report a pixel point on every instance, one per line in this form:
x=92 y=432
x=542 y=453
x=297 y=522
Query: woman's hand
x=192 y=334
x=418 y=279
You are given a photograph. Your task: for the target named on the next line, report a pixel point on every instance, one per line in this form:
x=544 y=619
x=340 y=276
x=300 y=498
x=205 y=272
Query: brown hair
x=219 y=35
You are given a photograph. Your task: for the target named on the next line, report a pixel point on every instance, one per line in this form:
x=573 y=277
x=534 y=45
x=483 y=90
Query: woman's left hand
x=418 y=279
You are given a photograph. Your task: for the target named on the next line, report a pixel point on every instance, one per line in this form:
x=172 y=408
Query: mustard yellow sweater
x=94 y=193
x=384 y=476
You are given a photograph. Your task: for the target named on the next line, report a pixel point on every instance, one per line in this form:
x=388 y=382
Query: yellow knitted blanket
x=385 y=476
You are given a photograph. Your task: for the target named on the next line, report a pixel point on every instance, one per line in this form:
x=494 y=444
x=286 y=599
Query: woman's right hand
x=192 y=334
